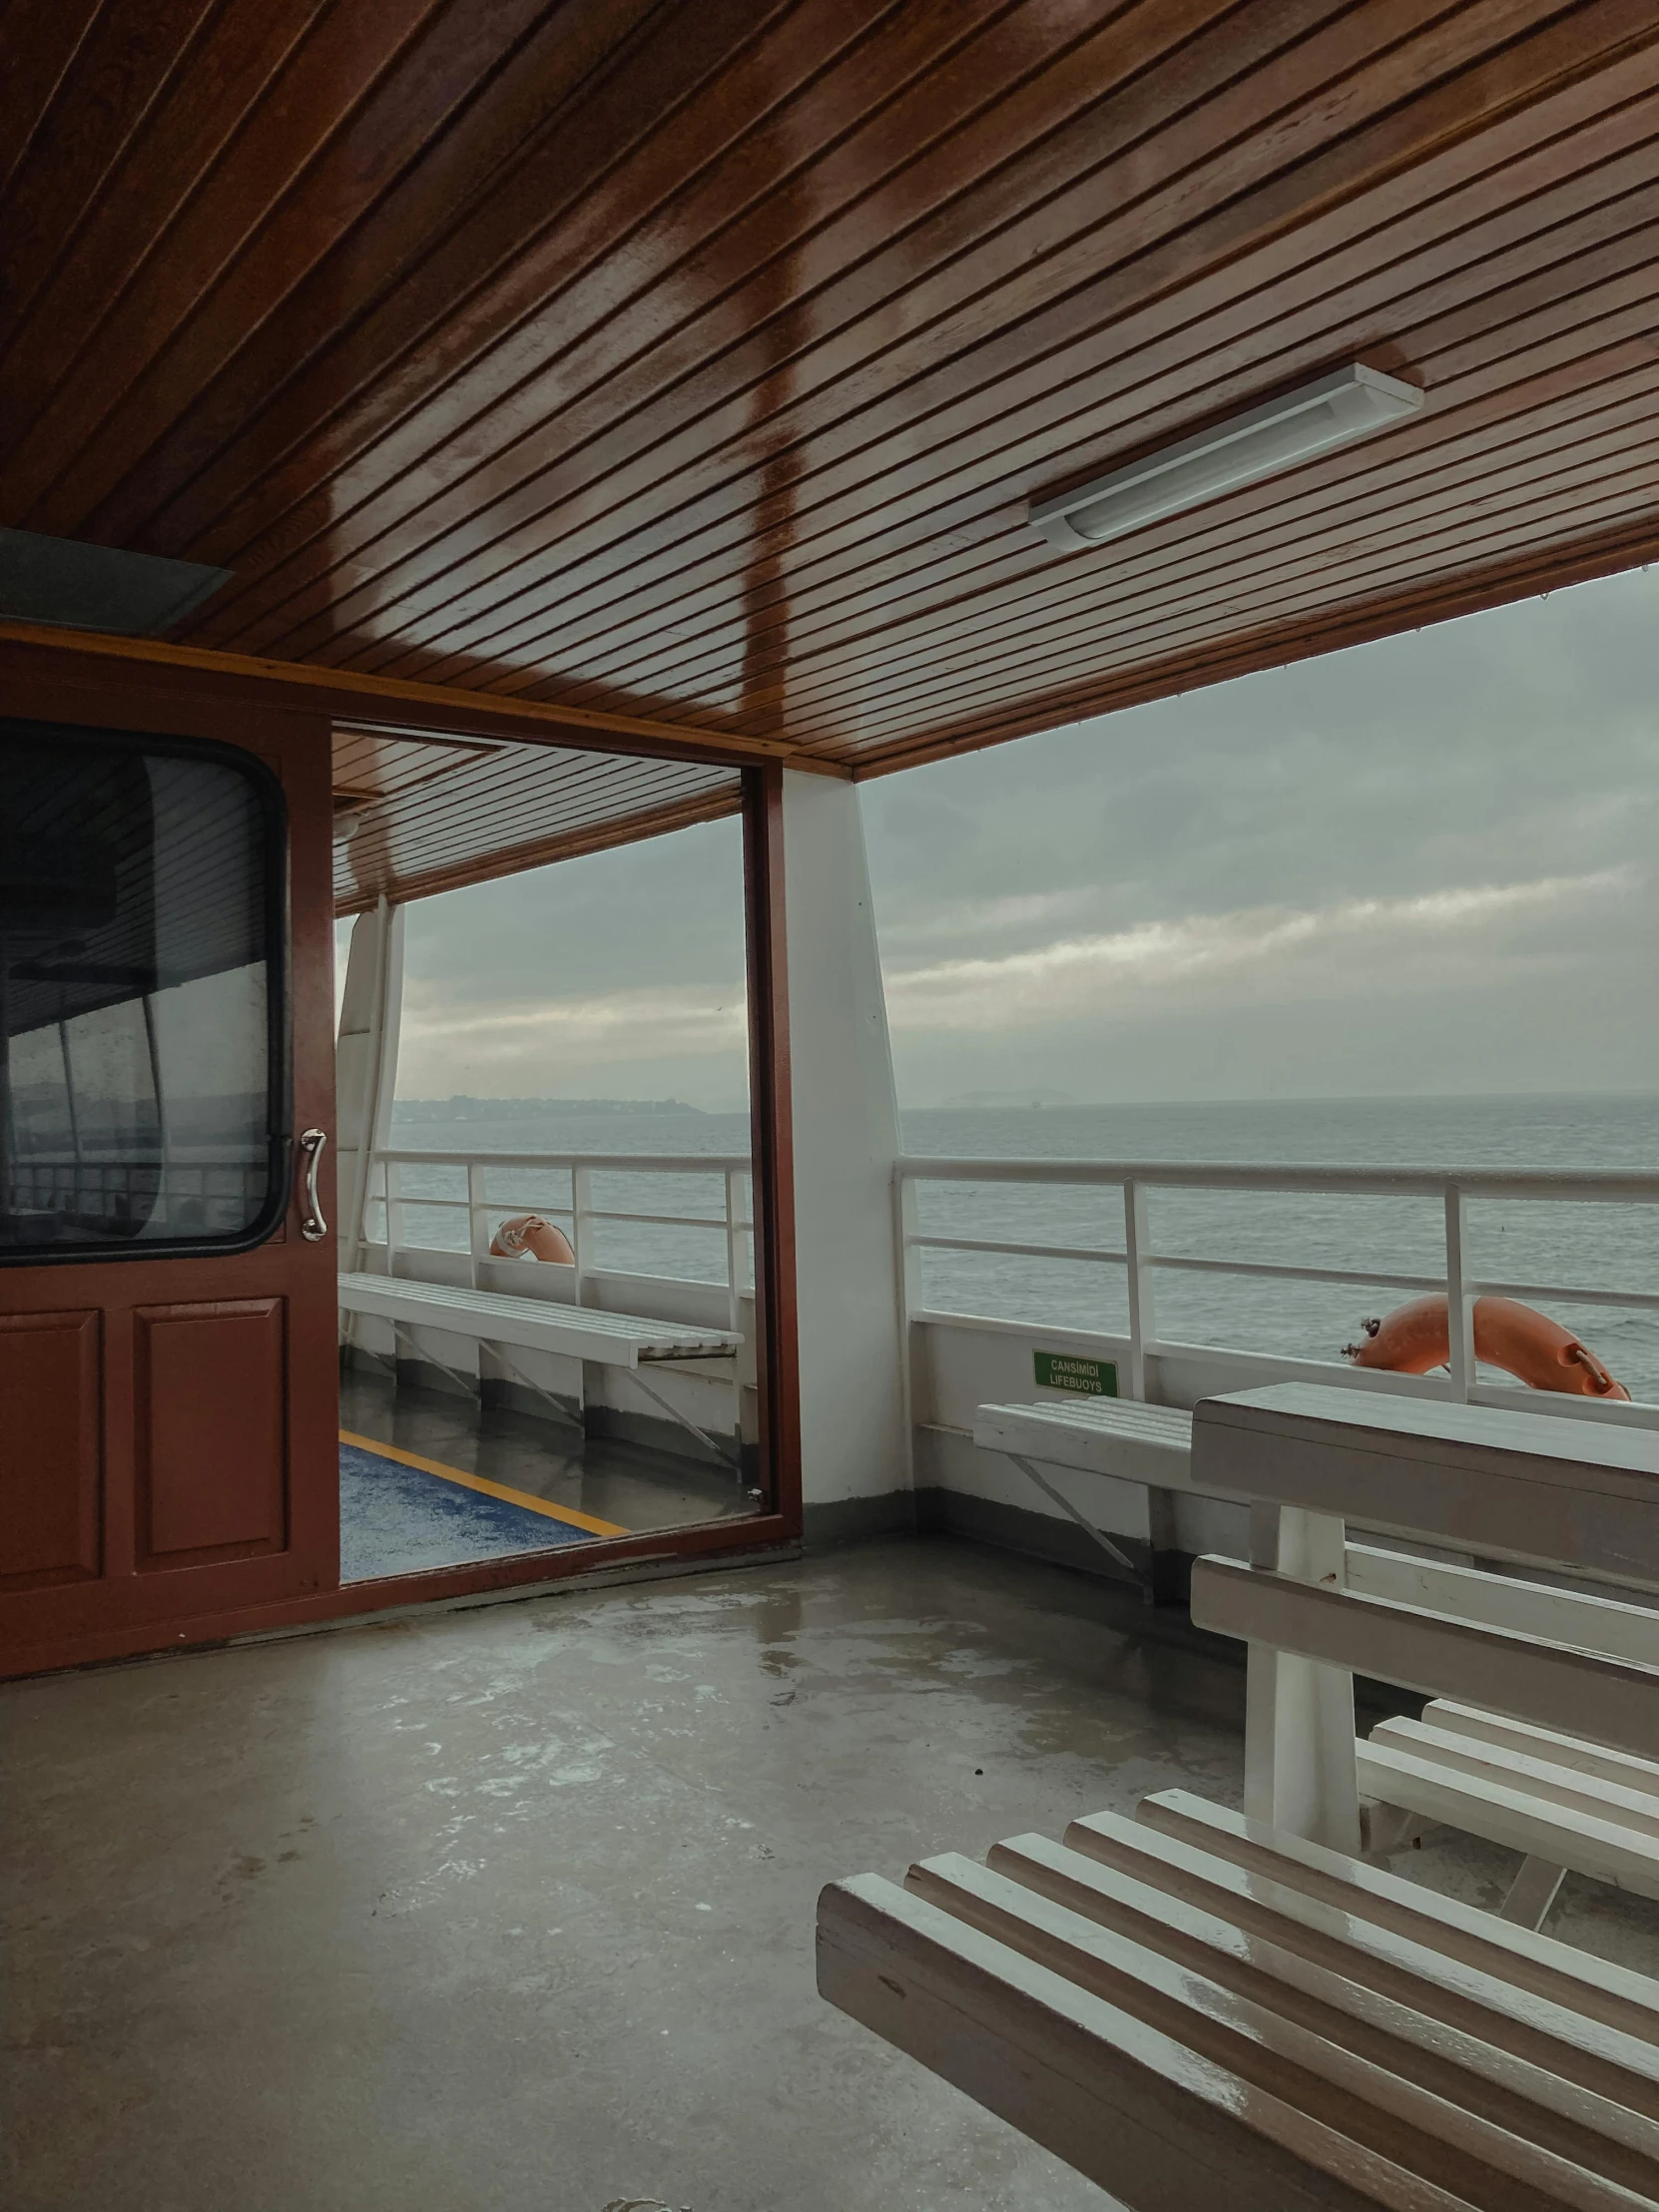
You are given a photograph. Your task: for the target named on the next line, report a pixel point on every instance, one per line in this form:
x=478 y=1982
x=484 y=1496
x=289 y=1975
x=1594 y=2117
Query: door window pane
x=141 y=1076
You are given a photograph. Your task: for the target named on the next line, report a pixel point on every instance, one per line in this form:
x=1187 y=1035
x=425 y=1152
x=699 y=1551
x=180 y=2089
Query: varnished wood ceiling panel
x=696 y=361
x=417 y=815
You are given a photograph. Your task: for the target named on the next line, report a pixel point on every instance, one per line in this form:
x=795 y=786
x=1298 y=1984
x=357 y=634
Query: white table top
x=1581 y=1495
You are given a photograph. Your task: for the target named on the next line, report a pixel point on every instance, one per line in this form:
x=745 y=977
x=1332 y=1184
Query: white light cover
x=1348 y=403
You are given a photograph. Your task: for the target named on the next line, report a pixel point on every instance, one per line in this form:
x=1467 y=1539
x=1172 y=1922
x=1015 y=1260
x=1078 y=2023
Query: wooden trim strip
x=778 y=1366
x=534 y=1573
x=406 y=706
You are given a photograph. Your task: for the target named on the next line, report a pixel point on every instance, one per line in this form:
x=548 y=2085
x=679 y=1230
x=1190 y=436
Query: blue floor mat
x=396 y=1520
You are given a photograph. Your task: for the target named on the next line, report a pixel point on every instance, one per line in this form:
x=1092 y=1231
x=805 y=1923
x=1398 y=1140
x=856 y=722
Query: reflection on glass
x=137 y=1088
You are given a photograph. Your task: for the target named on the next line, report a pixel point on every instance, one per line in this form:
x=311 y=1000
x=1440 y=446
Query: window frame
x=272 y=803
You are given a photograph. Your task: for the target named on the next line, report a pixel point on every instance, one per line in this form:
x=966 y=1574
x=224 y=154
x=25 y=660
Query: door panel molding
x=52 y=1468
x=209 y=1430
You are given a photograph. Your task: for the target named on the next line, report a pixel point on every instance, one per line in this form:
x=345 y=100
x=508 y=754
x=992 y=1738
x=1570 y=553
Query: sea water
x=1600 y=1246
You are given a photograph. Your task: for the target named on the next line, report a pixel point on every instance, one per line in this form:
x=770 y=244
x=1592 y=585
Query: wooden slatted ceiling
x=415 y=815
x=698 y=361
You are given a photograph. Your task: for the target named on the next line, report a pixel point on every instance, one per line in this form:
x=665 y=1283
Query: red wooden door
x=169 y=1467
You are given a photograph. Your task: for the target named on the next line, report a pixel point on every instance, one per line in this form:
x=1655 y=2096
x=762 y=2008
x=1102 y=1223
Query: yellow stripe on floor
x=566 y=1513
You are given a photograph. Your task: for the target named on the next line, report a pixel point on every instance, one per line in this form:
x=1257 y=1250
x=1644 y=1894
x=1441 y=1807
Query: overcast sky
x=1423 y=866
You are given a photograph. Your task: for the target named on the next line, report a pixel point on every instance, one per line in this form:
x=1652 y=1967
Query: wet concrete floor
x=511 y=1909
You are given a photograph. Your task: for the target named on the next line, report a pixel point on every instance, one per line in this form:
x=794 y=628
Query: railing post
x=394 y=1170
x=1459 y=1305
x=908 y=1256
x=477 y=1226
x=1137 y=1245
x=908 y=1271
x=581 y=1206
x=1163 y=1583
x=735 y=1271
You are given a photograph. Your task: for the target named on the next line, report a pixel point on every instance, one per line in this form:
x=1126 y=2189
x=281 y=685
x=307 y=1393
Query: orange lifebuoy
x=529 y=1233
x=1535 y=1350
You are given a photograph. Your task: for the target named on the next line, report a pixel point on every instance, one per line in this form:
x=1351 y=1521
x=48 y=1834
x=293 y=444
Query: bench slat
x=1161 y=1958
x=1557 y=1685
x=1505 y=1601
x=1160 y=2125
x=1536 y=1964
x=1522 y=1814
x=1544 y=1743
x=1574 y=1790
x=1120 y=1437
x=533 y=1325
x=1395 y=1963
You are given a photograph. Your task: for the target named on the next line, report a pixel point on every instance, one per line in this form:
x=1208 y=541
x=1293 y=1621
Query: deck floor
x=630 y=1487
x=511 y=1909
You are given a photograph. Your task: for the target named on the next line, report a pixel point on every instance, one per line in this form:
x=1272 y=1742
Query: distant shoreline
x=529 y=1109
x=1039 y=1102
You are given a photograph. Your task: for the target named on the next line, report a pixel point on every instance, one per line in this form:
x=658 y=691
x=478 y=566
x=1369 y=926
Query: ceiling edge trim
x=1525 y=577
x=301 y=686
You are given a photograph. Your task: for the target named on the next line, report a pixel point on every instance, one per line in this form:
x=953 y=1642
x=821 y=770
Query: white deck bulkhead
x=854 y=1446
x=365 y=1064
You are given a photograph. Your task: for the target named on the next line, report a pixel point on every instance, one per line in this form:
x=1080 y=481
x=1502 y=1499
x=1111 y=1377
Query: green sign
x=1064 y=1371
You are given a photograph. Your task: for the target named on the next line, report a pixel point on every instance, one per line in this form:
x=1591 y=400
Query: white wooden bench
x=1123 y=1439
x=1560 y=1493
x=1564 y=1805
x=1200 y=2007
x=499 y=1318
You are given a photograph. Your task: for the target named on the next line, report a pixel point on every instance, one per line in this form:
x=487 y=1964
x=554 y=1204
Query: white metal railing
x=485 y=1210
x=1142 y=1262
x=500 y=1185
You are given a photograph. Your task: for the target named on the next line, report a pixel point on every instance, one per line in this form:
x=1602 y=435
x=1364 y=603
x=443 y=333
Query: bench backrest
x=1315 y=1611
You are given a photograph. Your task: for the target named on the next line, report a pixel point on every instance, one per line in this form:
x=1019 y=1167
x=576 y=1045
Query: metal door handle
x=313 y=1227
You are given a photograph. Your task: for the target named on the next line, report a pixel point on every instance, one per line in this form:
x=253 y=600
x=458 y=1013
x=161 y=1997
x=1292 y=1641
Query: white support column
x=855 y=1444
x=1300 y=1770
x=365 y=1064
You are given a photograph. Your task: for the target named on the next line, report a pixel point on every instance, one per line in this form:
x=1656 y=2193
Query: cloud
x=1415 y=866
x=956 y=919
x=552 y=1037
x=1079 y=978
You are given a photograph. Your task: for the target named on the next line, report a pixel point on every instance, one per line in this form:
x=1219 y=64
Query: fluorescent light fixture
x=1349 y=404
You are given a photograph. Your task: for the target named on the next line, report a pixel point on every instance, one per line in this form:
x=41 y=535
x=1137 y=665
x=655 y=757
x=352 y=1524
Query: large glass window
x=140 y=1063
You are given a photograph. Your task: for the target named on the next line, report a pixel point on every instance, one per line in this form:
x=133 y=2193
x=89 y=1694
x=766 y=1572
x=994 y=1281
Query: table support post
x=1299 y=1772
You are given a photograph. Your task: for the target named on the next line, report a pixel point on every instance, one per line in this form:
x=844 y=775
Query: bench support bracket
x=725 y=1459
x=1066 y=1506
x=1531 y=1893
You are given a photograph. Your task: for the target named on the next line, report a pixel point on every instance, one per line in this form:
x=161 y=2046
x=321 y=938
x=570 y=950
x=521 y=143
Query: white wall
x=852 y=1425
x=365 y=1063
